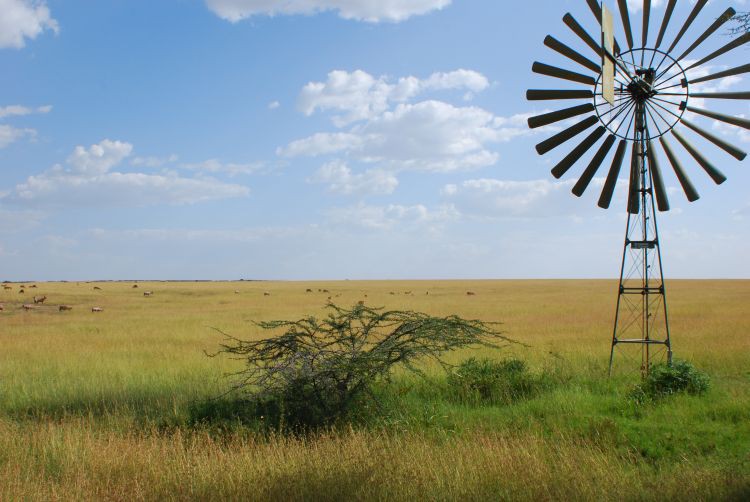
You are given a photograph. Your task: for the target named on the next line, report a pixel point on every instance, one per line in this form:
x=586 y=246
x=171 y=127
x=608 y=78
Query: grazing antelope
x=33 y=286
x=308 y=290
x=236 y=291
x=6 y=287
x=97 y=287
x=21 y=291
x=135 y=286
x=62 y=308
x=326 y=291
x=39 y=299
x=26 y=306
x=148 y=293
x=97 y=309
x=470 y=293
x=266 y=293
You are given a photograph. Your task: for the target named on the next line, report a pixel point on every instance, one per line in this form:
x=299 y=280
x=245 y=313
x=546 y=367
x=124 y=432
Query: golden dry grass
x=89 y=401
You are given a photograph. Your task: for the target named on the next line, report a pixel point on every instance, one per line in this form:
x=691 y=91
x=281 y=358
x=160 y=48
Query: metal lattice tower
x=639 y=97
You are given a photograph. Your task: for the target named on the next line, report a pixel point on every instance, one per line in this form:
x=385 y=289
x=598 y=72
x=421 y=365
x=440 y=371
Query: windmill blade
x=740 y=122
x=549 y=94
x=563 y=136
x=731 y=150
x=571 y=54
x=646 y=18
x=728 y=14
x=745 y=68
x=696 y=10
x=690 y=191
x=566 y=163
x=593 y=166
x=721 y=95
x=665 y=22
x=625 y=16
x=596 y=10
x=634 y=190
x=553 y=71
x=570 y=21
x=552 y=117
x=739 y=41
x=662 y=201
x=614 y=172
x=714 y=173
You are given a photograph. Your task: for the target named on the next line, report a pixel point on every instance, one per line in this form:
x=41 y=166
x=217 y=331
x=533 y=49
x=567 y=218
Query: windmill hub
x=642 y=87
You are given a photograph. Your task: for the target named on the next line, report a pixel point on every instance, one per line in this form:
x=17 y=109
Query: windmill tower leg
x=641 y=320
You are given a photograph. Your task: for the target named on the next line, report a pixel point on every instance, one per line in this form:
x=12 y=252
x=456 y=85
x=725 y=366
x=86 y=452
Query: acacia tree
x=314 y=371
x=742 y=21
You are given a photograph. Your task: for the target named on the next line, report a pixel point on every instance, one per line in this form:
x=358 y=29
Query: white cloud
x=321 y=144
x=392 y=216
x=90 y=181
x=215 y=166
x=273 y=105
x=99 y=158
x=361 y=10
x=18 y=110
x=361 y=96
x=493 y=198
x=23 y=19
x=340 y=179
x=153 y=162
x=10 y=134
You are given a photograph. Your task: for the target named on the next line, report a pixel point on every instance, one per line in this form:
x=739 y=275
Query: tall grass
x=102 y=405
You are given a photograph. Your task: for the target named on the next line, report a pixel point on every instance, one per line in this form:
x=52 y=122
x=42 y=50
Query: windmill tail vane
x=639 y=94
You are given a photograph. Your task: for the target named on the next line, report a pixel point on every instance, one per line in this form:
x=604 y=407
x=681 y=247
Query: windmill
x=641 y=98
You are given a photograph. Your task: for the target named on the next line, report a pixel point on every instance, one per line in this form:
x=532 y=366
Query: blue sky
x=320 y=139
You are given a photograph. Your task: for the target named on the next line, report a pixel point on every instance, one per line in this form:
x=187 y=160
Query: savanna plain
x=102 y=405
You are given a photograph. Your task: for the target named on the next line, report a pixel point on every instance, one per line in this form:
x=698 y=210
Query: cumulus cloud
x=322 y=144
x=372 y=11
x=391 y=216
x=10 y=134
x=19 y=110
x=23 y=19
x=153 y=162
x=359 y=95
x=232 y=169
x=493 y=198
x=340 y=179
x=90 y=181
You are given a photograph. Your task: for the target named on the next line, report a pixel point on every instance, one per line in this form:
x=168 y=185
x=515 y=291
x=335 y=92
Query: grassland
x=99 y=405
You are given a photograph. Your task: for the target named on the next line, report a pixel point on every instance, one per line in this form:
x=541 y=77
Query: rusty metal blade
x=563 y=136
x=696 y=10
x=728 y=14
x=665 y=22
x=593 y=167
x=614 y=172
x=634 y=189
x=553 y=71
x=737 y=42
x=552 y=117
x=566 y=163
x=625 y=16
x=714 y=173
x=571 y=54
x=730 y=149
x=687 y=186
x=550 y=94
x=662 y=201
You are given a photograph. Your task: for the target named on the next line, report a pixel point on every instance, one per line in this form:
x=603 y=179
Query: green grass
x=104 y=405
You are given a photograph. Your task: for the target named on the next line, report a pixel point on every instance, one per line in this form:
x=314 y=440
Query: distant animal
x=470 y=293
x=64 y=307
x=97 y=287
x=360 y=302
x=21 y=291
x=427 y=293
x=26 y=306
x=1 y=308
x=236 y=291
x=39 y=299
x=148 y=293
x=308 y=290
x=391 y=293
x=6 y=287
x=326 y=291
x=266 y=293
x=33 y=286
x=97 y=309
x=407 y=292
x=135 y=286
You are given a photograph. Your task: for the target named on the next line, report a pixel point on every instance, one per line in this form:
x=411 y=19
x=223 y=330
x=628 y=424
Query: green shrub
x=477 y=381
x=319 y=371
x=665 y=380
